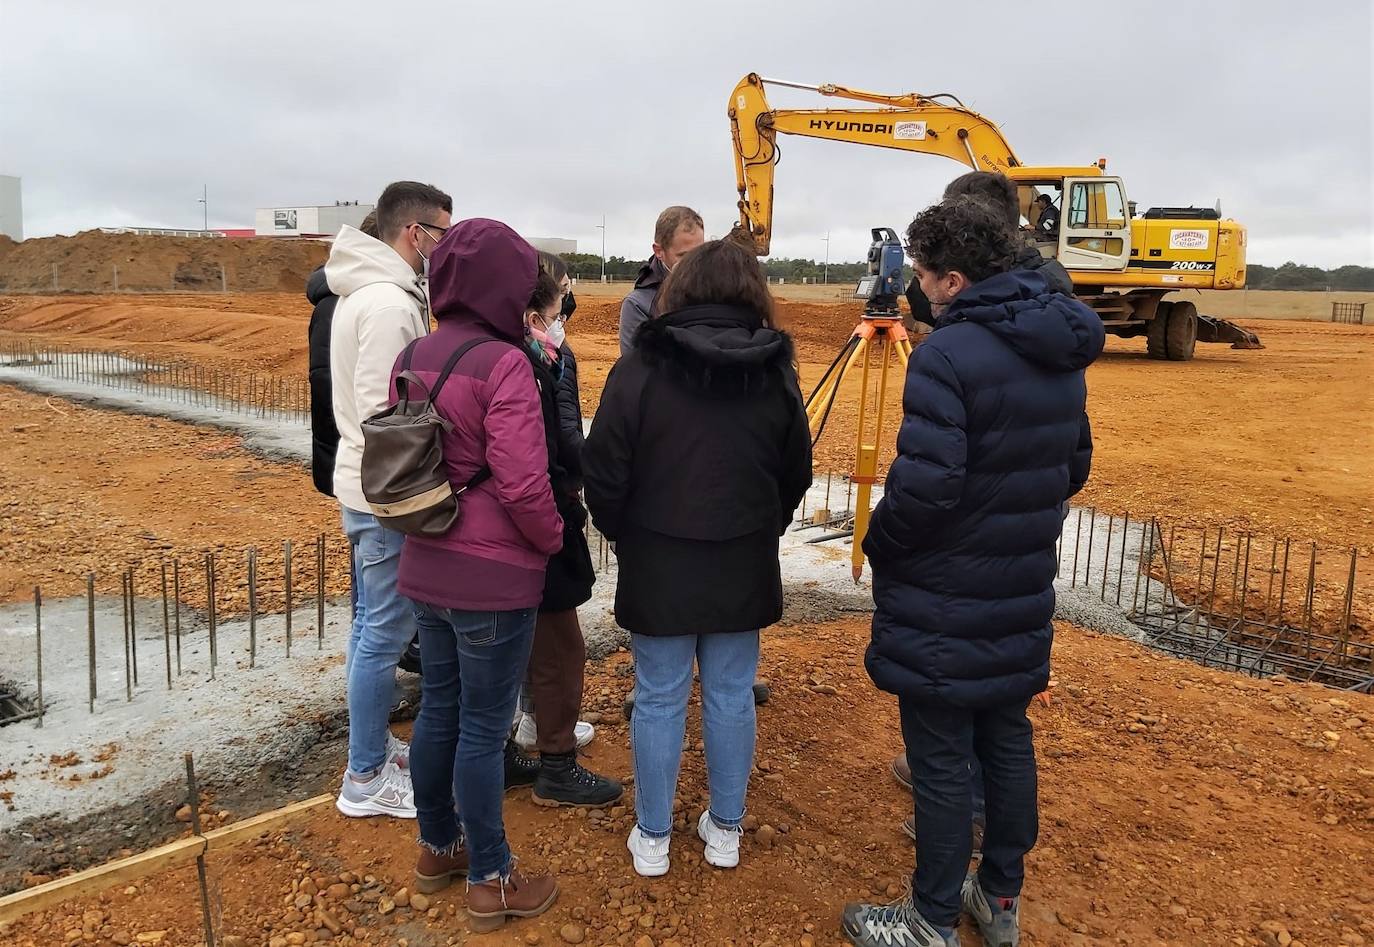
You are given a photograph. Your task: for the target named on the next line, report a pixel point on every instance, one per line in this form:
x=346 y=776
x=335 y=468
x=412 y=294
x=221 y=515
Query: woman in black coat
x=555 y=677
x=698 y=455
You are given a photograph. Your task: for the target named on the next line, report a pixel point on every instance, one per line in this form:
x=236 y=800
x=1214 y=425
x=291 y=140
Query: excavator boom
x=934 y=125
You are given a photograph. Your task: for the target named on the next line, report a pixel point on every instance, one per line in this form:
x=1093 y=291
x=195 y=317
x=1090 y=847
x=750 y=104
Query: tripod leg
x=865 y=464
x=819 y=404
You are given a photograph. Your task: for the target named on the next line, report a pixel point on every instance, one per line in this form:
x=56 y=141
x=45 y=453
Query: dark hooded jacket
x=993 y=442
x=1029 y=258
x=641 y=304
x=571 y=575
x=698 y=455
x=324 y=433
x=494 y=557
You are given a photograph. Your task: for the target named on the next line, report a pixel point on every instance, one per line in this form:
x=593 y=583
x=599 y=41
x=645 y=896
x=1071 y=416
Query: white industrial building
x=320 y=221
x=556 y=245
x=11 y=208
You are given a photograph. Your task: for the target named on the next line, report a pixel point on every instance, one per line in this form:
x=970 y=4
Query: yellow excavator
x=1122 y=265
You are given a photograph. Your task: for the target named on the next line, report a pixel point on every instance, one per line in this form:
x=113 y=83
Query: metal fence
x=1234 y=601
x=1352 y=313
x=262 y=394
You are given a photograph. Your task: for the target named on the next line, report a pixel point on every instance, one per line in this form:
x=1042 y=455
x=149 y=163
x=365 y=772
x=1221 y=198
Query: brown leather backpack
x=405 y=480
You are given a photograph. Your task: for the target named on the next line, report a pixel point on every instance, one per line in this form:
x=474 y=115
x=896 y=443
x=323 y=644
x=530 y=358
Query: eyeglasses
x=427 y=227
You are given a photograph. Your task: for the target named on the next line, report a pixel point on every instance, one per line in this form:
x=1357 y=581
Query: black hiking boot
x=562 y=782
x=521 y=770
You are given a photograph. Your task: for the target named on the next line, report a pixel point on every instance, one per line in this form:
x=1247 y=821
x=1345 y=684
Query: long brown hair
x=720 y=273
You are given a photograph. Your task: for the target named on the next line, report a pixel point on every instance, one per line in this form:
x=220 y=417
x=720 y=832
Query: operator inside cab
x=1047 y=222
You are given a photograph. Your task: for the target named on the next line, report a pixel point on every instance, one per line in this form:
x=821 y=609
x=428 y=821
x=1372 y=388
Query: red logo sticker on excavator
x=1188 y=239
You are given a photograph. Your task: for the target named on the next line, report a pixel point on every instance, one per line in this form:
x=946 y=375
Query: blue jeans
x=942 y=744
x=474 y=663
x=728 y=662
x=383 y=625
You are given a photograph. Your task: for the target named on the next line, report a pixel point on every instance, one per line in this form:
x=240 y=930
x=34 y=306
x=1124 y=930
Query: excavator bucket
x=1212 y=329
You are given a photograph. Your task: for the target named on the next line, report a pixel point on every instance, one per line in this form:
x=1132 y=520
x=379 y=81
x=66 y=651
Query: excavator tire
x=1156 y=332
x=1180 y=332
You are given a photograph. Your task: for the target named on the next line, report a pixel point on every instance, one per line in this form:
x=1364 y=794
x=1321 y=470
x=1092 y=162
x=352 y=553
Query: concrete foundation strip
x=181 y=852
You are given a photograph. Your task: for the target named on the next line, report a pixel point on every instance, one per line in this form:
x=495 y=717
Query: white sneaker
x=650 y=854
x=722 y=845
x=527 y=733
x=387 y=793
x=397 y=751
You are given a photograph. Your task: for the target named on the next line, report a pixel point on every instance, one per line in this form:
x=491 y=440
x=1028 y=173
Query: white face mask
x=556 y=334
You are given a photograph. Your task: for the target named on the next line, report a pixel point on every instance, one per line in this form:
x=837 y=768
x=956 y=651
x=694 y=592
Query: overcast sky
x=549 y=115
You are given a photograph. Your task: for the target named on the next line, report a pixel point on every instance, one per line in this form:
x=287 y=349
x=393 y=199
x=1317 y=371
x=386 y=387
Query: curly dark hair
x=964 y=235
x=996 y=189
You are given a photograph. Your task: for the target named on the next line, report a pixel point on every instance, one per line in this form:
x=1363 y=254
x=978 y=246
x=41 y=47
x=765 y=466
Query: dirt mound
x=99 y=262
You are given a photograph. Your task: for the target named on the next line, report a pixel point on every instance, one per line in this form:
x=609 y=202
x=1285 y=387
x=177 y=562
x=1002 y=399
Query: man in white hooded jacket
x=382 y=307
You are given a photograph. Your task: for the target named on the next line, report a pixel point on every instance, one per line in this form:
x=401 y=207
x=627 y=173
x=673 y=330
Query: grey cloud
x=549 y=115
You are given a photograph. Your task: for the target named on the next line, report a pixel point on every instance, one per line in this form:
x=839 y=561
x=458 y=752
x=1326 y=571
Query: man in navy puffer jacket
x=994 y=440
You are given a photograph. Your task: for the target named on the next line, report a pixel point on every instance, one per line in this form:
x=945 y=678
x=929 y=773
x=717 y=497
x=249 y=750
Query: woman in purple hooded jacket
x=477 y=588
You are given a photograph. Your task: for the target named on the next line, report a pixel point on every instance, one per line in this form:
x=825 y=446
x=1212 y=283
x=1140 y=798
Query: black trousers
x=942 y=744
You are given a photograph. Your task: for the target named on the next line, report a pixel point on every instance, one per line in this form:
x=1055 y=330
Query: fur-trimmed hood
x=720 y=348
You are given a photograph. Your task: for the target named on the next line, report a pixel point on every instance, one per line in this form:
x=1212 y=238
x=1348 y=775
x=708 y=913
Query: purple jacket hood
x=483 y=272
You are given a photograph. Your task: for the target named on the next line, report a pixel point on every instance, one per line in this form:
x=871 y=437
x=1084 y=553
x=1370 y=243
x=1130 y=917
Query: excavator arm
x=934 y=125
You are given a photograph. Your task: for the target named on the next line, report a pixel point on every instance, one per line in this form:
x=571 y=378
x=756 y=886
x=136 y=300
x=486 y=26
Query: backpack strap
x=405 y=378
x=483 y=473
x=451 y=364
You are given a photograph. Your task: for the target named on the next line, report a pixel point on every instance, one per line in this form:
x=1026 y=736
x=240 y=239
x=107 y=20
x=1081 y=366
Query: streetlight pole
x=826 y=278
x=205 y=206
x=602 y=227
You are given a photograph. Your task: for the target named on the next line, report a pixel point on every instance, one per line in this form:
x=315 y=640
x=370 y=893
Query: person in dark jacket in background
x=994 y=440
x=555 y=677
x=999 y=193
x=678 y=231
x=698 y=455
x=324 y=433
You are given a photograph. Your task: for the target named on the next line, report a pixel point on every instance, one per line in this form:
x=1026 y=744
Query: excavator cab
x=1094 y=227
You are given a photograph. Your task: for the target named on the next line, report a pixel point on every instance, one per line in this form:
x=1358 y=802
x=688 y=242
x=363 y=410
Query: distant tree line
x=1288 y=276
x=588 y=266
x=1295 y=276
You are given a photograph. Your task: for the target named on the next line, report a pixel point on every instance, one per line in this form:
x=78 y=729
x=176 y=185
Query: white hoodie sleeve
x=382 y=335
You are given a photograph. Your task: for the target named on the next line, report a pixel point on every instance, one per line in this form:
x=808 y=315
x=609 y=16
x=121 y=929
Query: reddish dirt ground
x=1179 y=807
x=83 y=490
x=1250 y=817
x=1273 y=441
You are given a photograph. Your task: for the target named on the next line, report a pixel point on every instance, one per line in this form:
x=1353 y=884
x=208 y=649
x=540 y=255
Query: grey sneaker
x=898 y=924
x=998 y=919
x=387 y=792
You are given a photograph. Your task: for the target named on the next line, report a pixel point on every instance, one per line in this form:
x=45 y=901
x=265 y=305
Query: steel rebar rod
x=38 y=647
x=90 y=632
x=286 y=552
x=252 y=606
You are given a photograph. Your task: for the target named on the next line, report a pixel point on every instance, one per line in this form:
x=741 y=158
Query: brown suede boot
x=436 y=872
x=901 y=770
x=491 y=902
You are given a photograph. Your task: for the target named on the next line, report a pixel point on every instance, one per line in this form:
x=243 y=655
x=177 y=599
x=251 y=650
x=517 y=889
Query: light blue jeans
x=728 y=662
x=383 y=626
